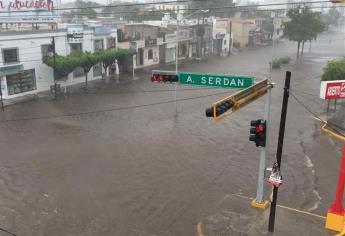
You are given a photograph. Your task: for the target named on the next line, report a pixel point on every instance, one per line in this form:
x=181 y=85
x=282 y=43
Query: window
x=10 y=55
x=76 y=47
x=47 y=50
x=78 y=72
x=21 y=82
x=111 y=43
x=224 y=42
x=98 y=45
x=150 y=54
x=97 y=70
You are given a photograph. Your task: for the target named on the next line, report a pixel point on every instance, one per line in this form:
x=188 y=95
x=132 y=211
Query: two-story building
x=22 y=70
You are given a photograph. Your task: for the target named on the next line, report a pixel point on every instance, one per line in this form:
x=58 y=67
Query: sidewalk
x=234 y=216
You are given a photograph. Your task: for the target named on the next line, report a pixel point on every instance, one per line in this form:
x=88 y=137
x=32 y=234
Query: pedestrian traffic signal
x=164 y=76
x=258 y=132
x=219 y=108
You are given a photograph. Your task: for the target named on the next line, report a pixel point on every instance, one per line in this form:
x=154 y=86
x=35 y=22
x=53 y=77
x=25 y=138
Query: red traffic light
x=258 y=132
x=164 y=76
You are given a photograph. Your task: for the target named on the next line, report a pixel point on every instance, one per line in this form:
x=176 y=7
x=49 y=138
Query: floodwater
x=135 y=168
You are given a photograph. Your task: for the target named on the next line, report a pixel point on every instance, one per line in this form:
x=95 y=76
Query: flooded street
x=128 y=166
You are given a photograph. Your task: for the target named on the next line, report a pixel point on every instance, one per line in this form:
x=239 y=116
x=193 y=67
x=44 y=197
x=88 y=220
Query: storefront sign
x=101 y=30
x=75 y=33
x=332 y=89
x=28 y=11
x=182 y=35
x=150 y=42
x=10 y=69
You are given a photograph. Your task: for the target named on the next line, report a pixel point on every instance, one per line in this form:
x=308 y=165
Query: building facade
x=22 y=70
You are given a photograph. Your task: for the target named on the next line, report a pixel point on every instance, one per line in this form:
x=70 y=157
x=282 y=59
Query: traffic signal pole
x=259 y=201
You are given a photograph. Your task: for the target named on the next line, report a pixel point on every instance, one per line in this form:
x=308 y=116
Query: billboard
x=31 y=11
x=332 y=89
x=75 y=33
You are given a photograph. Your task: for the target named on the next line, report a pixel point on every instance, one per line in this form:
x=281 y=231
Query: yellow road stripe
x=199 y=228
x=300 y=211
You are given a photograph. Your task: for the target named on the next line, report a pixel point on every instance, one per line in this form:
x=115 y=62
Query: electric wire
x=107 y=110
x=315 y=115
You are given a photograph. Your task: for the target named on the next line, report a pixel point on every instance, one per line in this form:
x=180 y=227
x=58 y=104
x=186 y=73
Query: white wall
x=30 y=56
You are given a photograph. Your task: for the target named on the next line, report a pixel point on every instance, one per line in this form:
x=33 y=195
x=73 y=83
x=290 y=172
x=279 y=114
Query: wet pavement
x=128 y=166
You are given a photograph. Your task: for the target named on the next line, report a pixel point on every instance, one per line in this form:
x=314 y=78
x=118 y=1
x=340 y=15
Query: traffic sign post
x=214 y=80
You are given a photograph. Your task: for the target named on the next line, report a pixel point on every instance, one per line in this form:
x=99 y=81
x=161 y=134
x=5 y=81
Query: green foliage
x=64 y=65
x=280 y=61
x=334 y=70
x=108 y=57
x=304 y=25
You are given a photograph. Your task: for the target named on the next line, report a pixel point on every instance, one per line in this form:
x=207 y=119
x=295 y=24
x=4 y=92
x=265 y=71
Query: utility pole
x=54 y=54
x=176 y=58
x=230 y=38
x=280 y=148
x=2 y=100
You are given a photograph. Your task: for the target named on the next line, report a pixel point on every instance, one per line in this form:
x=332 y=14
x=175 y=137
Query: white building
x=22 y=71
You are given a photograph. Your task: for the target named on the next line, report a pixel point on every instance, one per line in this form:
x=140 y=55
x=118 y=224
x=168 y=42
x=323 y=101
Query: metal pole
x=55 y=92
x=2 y=100
x=280 y=148
x=263 y=154
x=176 y=62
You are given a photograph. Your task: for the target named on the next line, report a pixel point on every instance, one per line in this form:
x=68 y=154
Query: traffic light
x=220 y=108
x=258 y=132
x=164 y=76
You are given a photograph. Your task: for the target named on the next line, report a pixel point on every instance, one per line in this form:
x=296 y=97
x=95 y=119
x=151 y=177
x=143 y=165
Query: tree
x=86 y=61
x=304 y=25
x=334 y=70
x=64 y=65
x=108 y=57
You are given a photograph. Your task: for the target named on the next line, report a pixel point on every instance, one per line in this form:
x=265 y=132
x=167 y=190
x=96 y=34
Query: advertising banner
x=75 y=33
x=332 y=89
x=30 y=11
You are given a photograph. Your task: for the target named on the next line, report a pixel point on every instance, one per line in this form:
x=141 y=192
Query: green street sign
x=222 y=81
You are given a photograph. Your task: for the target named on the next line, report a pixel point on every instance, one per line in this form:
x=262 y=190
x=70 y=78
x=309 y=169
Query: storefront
x=15 y=80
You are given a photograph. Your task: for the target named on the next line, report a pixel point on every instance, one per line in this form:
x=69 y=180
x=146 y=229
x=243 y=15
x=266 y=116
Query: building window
x=98 y=45
x=21 y=82
x=224 y=42
x=10 y=55
x=111 y=43
x=47 y=50
x=78 y=72
x=76 y=47
x=150 y=54
x=97 y=70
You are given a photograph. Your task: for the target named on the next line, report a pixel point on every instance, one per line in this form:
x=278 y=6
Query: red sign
x=335 y=90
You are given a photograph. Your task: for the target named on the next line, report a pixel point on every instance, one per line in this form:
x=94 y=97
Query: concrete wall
x=240 y=30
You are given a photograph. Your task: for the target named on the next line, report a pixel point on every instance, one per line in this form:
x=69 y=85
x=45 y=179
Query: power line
x=6 y=231
x=315 y=115
x=155 y=3
x=106 y=110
